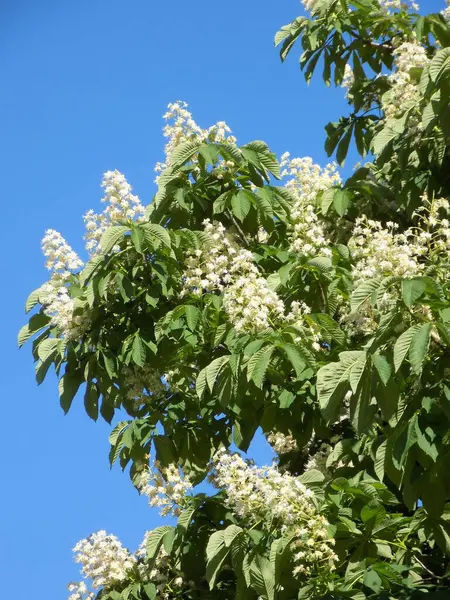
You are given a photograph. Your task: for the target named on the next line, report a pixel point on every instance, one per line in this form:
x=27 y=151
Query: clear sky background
x=84 y=84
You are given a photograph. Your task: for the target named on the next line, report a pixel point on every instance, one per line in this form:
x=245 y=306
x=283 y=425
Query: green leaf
x=342 y=149
x=230 y=534
x=295 y=357
x=32 y=300
x=47 y=348
x=341 y=202
x=363 y=293
x=241 y=204
x=91 y=397
x=200 y=383
x=155 y=235
x=111 y=237
x=138 y=351
x=412 y=289
x=213 y=370
x=183 y=153
x=330 y=327
x=216 y=553
x=150 y=590
x=383 y=367
x=262 y=577
x=333 y=382
x=258 y=364
x=155 y=540
x=419 y=347
x=380 y=460
x=68 y=386
x=402 y=345
x=35 y=324
x=383 y=138
x=327 y=199
x=90 y=268
x=259 y=154
x=193 y=315
x=372 y=580
x=439 y=64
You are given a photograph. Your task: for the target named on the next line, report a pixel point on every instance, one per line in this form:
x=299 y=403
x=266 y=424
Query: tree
x=256 y=294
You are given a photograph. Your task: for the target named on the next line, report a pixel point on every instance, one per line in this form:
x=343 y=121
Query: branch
x=235 y=223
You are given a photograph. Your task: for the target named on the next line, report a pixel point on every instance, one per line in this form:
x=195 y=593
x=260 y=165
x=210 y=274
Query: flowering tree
x=257 y=294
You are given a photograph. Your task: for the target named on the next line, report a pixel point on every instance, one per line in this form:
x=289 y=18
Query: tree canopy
x=263 y=294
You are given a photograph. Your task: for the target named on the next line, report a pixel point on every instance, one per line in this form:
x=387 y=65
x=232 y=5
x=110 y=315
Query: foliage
x=314 y=310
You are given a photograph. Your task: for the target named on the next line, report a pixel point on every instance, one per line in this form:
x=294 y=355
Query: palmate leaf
x=156 y=538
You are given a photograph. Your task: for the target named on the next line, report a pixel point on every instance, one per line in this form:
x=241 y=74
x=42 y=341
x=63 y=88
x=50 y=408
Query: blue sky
x=84 y=85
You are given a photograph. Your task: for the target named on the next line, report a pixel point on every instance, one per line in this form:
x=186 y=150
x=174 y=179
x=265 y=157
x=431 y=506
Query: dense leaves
x=358 y=380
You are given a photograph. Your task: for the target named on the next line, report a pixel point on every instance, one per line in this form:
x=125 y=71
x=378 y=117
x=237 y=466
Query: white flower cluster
x=348 y=80
x=296 y=318
x=103 y=559
x=306 y=181
x=208 y=269
x=79 y=591
x=282 y=443
x=142 y=383
x=166 y=488
x=263 y=493
x=121 y=206
x=397 y=5
x=108 y=564
x=446 y=11
x=62 y=260
x=379 y=250
x=318 y=461
x=62 y=309
x=309 y=5
x=181 y=127
x=161 y=574
x=248 y=300
x=54 y=295
x=404 y=92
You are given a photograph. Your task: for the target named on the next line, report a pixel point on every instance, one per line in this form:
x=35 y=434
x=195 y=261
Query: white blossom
x=121 y=206
x=404 y=92
x=446 y=11
x=61 y=258
x=79 y=591
x=166 y=488
x=181 y=127
x=306 y=181
x=250 y=303
x=103 y=559
x=54 y=295
x=282 y=443
x=379 y=250
x=263 y=493
x=349 y=79
x=390 y=6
